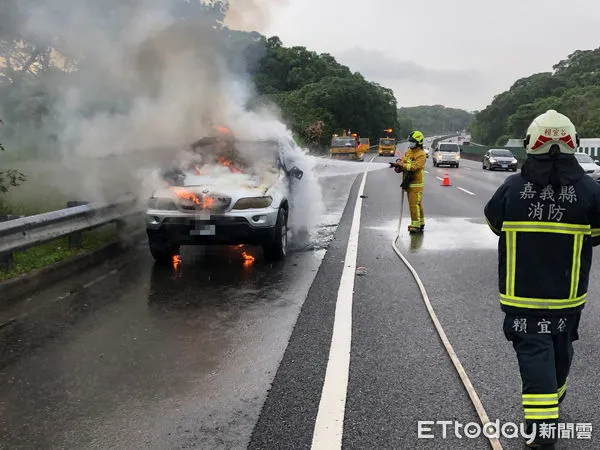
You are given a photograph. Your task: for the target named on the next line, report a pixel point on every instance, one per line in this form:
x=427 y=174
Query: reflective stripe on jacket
x=545 y=249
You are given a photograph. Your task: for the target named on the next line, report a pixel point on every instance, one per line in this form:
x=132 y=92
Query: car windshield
x=343 y=142
x=449 y=148
x=584 y=158
x=506 y=153
x=387 y=142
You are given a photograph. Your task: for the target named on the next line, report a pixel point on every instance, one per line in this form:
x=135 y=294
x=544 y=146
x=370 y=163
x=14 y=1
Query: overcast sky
x=458 y=53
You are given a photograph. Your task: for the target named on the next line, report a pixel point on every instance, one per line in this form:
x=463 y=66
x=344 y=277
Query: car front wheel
x=161 y=251
x=277 y=249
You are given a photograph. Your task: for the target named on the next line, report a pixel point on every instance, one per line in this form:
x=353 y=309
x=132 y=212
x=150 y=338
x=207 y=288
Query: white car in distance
x=589 y=165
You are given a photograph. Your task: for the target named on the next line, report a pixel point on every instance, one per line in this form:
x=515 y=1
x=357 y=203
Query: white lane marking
x=329 y=425
x=427 y=171
x=495 y=443
x=464 y=190
x=440 y=178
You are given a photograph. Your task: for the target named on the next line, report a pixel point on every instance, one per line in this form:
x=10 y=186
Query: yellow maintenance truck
x=387 y=147
x=387 y=144
x=345 y=146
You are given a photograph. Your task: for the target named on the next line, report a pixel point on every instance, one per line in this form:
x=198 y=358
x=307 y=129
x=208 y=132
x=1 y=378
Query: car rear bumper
x=505 y=166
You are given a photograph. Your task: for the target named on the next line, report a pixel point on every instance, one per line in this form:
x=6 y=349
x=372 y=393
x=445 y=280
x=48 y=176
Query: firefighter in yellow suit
x=412 y=165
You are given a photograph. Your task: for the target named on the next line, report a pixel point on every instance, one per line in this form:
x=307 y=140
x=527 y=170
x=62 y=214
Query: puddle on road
x=447 y=233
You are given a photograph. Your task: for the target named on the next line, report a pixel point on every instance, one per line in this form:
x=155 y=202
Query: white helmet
x=549 y=129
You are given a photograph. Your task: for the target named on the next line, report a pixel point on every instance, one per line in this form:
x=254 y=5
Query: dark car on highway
x=500 y=158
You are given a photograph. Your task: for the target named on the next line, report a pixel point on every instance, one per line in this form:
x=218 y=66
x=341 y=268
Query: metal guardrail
x=30 y=231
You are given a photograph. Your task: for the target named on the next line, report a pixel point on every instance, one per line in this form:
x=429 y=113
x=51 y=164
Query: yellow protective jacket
x=414 y=161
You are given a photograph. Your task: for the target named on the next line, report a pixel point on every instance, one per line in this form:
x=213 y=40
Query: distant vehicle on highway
x=499 y=158
x=387 y=147
x=221 y=197
x=589 y=165
x=446 y=153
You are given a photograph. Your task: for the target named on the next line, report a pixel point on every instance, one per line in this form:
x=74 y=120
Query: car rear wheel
x=277 y=249
x=162 y=251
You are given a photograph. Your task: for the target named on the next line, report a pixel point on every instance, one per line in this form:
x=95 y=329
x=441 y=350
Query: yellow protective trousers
x=415 y=203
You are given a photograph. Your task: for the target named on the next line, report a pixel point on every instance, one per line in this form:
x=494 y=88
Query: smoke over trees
x=98 y=78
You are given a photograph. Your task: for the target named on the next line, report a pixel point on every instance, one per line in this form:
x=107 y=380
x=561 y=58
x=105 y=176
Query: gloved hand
x=397 y=165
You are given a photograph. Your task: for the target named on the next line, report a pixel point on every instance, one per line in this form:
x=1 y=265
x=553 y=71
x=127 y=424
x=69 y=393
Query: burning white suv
x=230 y=192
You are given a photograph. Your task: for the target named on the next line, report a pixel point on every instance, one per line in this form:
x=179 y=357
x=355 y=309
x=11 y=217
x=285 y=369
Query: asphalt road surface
x=216 y=354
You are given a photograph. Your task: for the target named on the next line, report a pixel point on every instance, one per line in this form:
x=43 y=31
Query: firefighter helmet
x=416 y=137
x=550 y=129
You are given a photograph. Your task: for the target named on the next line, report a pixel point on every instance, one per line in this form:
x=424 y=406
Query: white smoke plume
x=160 y=82
x=251 y=15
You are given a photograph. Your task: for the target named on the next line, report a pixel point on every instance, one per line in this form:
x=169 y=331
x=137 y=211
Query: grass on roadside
x=57 y=250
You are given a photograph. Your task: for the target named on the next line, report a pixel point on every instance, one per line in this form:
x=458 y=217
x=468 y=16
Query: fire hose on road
x=495 y=443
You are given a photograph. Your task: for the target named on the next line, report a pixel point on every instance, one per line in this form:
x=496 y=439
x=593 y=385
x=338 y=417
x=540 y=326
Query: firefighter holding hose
x=412 y=166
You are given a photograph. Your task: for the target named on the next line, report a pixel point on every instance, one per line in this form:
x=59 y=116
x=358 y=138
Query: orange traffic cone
x=446 y=181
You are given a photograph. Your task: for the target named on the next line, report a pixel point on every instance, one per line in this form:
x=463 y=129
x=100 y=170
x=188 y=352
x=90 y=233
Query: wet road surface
x=399 y=372
x=142 y=356
x=218 y=355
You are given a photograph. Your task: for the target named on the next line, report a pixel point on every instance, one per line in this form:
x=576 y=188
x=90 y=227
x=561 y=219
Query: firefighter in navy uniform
x=412 y=165
x=548 y=220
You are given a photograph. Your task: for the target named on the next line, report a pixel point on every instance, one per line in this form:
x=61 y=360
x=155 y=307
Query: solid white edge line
x=464 y=190
x=495 y=443
x=329 y=426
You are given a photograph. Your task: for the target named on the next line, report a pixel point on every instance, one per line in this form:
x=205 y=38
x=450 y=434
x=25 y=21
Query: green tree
x=313 y=88
x=435 y=119
x=9 y=177
x=573 y=88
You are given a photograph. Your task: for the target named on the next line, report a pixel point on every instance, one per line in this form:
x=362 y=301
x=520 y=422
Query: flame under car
x=224 y=198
